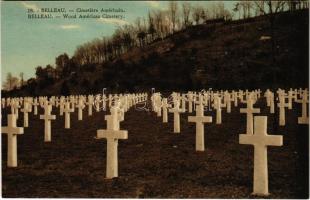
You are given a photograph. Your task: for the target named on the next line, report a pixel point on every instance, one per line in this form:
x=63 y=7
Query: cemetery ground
x=154 y=162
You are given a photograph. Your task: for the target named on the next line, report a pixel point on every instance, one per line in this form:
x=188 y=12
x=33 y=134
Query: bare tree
x=259 y=8
x=151 y=28
x=305 y=3
x=297 y=4
x=11 y=82
x=21 y=76
x=186 y=9
x=217 y=10
x=272 y=8
x=237 y=8
x=173 y=9
x=138 y=24
x=197 y=14
x=227 y=15
x=220 y=9
x=158 y=22
x=166 y=25
x=246 y=7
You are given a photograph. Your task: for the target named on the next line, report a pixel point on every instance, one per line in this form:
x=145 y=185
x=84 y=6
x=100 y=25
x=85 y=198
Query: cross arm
x=246 y=139
x=243 y=110
x=256 y=110
x=121 y=134
x=48 y=117
x=274 y=140
x=264 y=140
x=12 y=130
x=204 y=119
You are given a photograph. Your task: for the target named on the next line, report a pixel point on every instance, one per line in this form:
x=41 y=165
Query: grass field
x=154 y=162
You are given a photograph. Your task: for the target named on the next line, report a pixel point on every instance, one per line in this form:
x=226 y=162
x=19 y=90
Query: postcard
x=155 y=99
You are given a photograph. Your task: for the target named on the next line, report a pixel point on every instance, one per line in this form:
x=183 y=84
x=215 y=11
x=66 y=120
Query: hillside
x=224 y=55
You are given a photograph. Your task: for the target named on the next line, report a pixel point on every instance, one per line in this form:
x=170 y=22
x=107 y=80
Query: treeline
x=158 y=25
x=162 y=23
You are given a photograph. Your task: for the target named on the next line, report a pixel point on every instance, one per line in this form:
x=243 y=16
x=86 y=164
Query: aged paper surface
x=155 y=99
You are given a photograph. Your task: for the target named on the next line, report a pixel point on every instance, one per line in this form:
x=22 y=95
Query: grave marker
x=200 y=119
x=90 y=104
x=260 y=140
x=67 y=110
x=12 y=131
x=165 y=107
x=282 y=106
x=80 y=107
x=249 y=115
x=47 y=117
x=25 y=110
x=304 y=119
x=35 y=106
x=190 y=102
x=217 y=107
x=112 y=135
x=176 y=116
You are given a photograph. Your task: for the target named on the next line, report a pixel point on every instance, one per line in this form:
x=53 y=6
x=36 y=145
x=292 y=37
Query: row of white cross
x=66 y=105
x=257 y=137
x=224 y=99
x=119 y=104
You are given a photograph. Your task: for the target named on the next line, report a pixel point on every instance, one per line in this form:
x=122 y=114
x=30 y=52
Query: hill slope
x=228 y=55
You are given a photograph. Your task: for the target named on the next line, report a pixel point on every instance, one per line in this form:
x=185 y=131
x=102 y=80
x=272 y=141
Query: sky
x=28 y=43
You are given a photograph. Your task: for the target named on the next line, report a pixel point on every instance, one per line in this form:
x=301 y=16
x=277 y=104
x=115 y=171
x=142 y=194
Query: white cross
x=290 y=98
x=272 y=103
x=282 y=106
x=12 y=131
x=260 y=140
x=190 y=102
x=241 y=97
x=26 y=110
x=3 y=102
x=270 y=100
x=200 y=100
x=227 y=100
x=158 y=106
x=165 y=107
x=8 y=101
x=97 y=102
x=47 y=117
x=112 y=134
x=249 y=115
x=200 y=119
x=304 y=119
x=104 y=102
x=268 y=97
x=176 y=116
x=156 y=100
x=67 y=111
x=183 y=102
x=206 y=99
x=217 y=107
x=90 y=104
x=110 y=100
x=52 y=100
x=235 y=97
x=35 y=106
x=80 y=107
x=14 y=107
x=61 y=105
